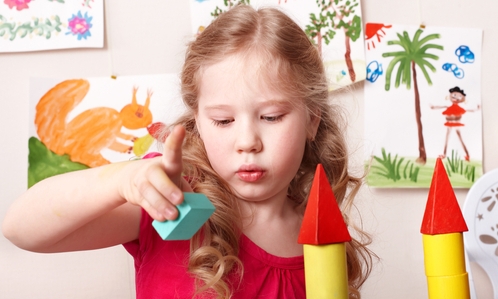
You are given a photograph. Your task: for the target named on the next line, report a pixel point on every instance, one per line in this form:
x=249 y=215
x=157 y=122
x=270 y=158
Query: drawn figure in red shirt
x=453 y=116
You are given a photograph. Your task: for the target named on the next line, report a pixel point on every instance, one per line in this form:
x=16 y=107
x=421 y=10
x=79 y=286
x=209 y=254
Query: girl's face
x=254 y=136
x=457 y=97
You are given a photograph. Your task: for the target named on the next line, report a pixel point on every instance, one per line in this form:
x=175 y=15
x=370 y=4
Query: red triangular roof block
x=323 y=222
x=442 y=212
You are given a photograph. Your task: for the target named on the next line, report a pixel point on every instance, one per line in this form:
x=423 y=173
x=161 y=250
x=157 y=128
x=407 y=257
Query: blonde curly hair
x=290 y=57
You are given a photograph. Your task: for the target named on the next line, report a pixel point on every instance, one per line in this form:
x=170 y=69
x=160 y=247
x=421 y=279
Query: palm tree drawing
x=414 y=55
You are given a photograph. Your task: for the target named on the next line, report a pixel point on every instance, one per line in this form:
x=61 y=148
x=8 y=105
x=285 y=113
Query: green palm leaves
x=414 y=52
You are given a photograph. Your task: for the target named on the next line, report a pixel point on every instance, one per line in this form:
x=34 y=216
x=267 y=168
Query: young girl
x=258 y=123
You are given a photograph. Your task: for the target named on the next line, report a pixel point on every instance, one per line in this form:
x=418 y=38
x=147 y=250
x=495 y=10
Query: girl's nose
x=248 y=138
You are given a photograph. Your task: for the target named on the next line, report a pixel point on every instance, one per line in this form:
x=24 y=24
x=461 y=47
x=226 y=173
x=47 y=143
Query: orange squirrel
x=91 y=131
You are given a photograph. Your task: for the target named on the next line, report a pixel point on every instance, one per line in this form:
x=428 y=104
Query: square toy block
x=193 y=212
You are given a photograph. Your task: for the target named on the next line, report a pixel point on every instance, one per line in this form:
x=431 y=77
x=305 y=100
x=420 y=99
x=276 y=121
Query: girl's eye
x=221 y=122
x=272 y=118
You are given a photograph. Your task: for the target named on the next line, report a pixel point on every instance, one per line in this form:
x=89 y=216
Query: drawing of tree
x=336 y=15
x=229 y=4
x=414 y=55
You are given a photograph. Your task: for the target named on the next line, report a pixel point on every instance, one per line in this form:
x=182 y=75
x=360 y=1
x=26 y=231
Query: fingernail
x=176 y=197
x=169 y=213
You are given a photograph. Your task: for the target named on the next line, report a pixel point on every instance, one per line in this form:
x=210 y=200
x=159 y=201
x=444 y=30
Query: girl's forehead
x=238 y=84
x=243 y=73
x=244 y=64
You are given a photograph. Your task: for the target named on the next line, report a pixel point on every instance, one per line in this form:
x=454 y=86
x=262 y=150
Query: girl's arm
x=98 y=207
x=438 y=107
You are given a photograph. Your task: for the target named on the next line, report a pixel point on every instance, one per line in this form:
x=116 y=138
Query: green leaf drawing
x=44 y=163
x=37 y=27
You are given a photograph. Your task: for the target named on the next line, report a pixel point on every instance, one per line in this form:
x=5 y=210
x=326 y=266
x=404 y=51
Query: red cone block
x=323 y=222
x=442 y=212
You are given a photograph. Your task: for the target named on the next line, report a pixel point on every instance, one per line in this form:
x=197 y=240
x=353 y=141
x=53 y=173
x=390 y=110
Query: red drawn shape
x=374 y=30
x=157 y=131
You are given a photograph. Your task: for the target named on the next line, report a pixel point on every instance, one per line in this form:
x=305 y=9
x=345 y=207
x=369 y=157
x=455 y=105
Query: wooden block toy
x=442 y=228
x=324 y=234
x=193 y=212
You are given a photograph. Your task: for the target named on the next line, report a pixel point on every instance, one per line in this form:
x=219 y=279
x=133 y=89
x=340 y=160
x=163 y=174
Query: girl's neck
x=273 y=225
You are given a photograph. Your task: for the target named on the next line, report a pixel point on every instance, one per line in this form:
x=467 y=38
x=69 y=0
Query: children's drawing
x=56 y=24
x=19 y=5
x=451 y=67
x=334 y=26
x=374 y=70
x=80 y=25
x=405 y=134
x=81 y=123
x=464 y=54
x=373 y=33
x=335 y=16
x=453 y=115
x=413 y=56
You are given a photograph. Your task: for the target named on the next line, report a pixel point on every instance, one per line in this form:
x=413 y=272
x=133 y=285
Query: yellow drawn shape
x=142 y=145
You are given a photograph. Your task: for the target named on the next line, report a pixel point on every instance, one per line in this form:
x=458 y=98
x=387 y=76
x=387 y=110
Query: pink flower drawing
x=18 y=4
x=80 y=25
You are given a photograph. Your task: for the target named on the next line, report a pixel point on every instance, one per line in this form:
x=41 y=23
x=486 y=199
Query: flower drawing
x=18 y=4
x=80 y=25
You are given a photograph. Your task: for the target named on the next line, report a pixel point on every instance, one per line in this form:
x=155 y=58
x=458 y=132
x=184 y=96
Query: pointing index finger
x=172 y=154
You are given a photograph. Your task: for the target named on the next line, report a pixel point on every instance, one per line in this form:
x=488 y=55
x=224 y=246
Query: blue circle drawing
x=451 y=67
x=464 y=54
x=374 y=70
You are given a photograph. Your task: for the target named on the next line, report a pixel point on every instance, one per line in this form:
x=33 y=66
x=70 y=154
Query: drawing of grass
x=455 y=165
x=412 y=173
x=390 y=168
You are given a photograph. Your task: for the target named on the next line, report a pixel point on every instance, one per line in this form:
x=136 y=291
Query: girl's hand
x=157 y=184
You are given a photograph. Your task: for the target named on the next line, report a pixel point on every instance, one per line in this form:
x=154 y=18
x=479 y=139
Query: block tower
x=324 y=233
x=442 y=234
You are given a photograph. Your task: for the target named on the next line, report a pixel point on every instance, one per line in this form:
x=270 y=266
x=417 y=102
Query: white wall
x=148 y=37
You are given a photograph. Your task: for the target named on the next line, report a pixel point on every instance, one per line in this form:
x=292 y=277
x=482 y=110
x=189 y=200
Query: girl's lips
x=250 y=176
x=250 y=173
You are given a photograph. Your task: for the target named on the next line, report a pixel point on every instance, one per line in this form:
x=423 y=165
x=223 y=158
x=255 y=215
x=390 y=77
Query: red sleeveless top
x=161 y=269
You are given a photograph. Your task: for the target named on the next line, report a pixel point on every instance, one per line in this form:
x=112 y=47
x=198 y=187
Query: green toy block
x=193 y=212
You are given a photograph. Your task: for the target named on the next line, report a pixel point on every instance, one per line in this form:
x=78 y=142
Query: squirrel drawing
x=86 y=135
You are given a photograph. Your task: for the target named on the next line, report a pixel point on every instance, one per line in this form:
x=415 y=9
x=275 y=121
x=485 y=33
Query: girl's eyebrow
x=217 y=107
x=263 y=104
x=274 y=102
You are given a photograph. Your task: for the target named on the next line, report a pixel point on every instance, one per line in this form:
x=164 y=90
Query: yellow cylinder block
x=449 y=287
x=444 y=254
x=325 y=270
x=444 y=259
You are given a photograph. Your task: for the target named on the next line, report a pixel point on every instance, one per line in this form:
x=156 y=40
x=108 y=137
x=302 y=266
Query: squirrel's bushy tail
x=52 y=111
